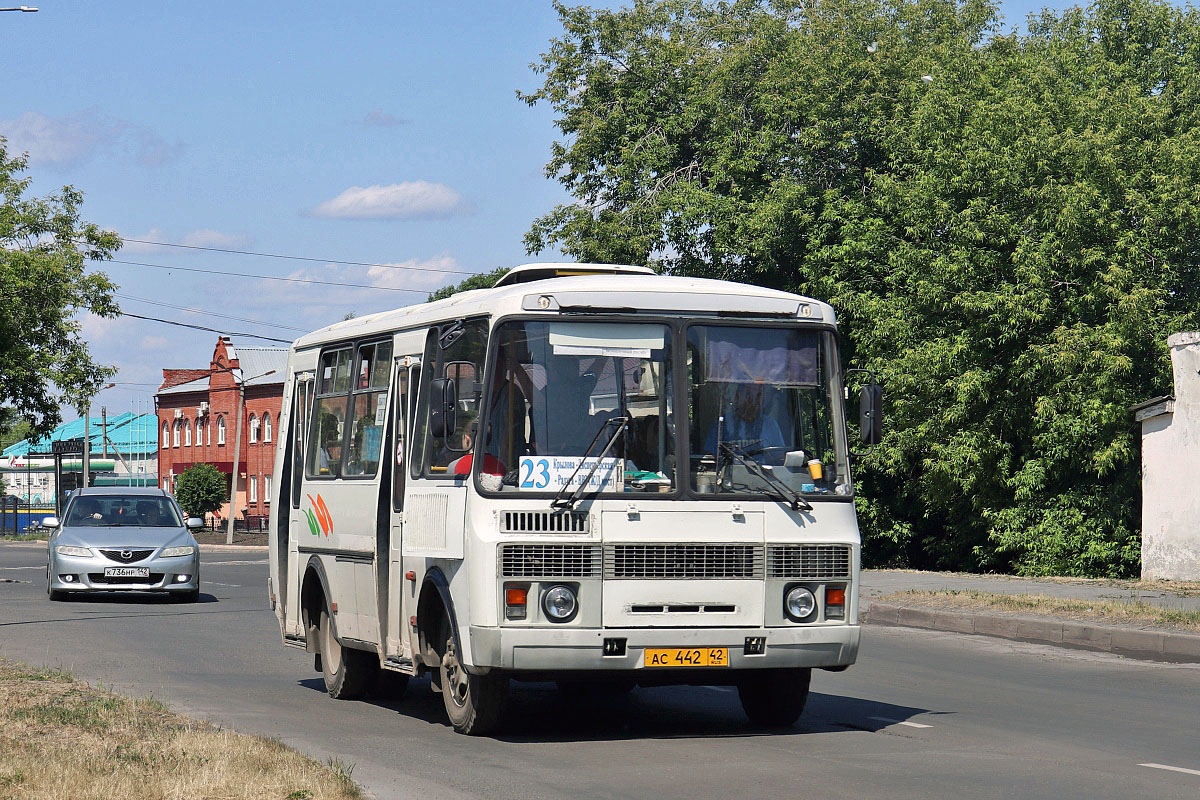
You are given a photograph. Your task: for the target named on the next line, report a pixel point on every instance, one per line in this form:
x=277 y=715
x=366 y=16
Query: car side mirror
x=50 y=522
x=870 y=413
x=195 y=523
x=442 y=407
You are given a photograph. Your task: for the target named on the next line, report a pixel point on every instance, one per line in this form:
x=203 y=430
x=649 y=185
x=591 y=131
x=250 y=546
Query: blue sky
x=381 y=132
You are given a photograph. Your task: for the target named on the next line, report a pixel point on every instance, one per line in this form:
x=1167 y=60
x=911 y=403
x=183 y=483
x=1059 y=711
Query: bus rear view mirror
x=442 y=407
x=870 y=413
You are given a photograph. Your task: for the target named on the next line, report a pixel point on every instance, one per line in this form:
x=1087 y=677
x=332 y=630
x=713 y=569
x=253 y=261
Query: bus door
x=288 y=555
x=397 y=596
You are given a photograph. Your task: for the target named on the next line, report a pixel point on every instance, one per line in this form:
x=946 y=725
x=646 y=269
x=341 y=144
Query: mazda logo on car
x=126 y=554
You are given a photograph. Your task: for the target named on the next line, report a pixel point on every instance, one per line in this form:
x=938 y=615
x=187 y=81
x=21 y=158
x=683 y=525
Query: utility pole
x=87 y=445
x=104 y=431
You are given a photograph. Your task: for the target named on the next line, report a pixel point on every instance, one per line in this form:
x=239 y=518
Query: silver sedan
x=122 y=539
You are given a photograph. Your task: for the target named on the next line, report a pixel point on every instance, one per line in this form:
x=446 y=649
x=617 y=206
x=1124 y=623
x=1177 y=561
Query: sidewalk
x=1163 y=642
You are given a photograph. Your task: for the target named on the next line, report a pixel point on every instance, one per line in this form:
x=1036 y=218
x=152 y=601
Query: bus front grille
x=683 y=561
x=543 y=522
x=808 y=561
x=550 y=561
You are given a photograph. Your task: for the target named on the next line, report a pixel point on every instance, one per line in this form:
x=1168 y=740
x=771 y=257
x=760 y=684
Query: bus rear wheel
x=774 y=698
x=348 y=673
x=474 y=703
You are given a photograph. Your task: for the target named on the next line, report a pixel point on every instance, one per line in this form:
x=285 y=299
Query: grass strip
x=24 y=537
x=1101 y=611
x=63 y=738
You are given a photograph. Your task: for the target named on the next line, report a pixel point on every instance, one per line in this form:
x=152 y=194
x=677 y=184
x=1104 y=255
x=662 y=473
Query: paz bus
x=589 y=474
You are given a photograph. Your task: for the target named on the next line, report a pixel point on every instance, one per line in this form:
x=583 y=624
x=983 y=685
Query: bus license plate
x=687 y=657
x=127 y=572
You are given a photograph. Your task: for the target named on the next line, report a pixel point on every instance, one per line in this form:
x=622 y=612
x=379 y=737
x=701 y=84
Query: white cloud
x=77 y=137
x=378 y=118
x=203 y=237
x=154 y=342
x=395 y=201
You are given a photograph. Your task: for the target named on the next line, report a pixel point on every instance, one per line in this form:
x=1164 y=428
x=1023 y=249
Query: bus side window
x=329 y=415
x=461 y=359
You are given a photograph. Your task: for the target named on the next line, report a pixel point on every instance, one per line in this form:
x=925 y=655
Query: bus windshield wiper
x=777 y=488
x=569 y=502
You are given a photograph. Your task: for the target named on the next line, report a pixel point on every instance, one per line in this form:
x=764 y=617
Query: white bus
x=587 y=474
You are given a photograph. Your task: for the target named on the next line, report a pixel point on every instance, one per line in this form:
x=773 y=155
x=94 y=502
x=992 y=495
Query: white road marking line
x=40 y=566
x=1184 y=770
x=900 y=722
x=214 y=583
x=227 y=563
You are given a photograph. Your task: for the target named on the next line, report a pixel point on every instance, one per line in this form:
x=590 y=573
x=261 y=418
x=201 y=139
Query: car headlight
x=799 y=603
x=68 y=550
x=186 y=550
x=559 y=603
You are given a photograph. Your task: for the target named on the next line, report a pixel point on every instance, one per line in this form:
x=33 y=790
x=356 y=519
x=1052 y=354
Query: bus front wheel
x=474 y=703
x=774 y=698
x=348 y=673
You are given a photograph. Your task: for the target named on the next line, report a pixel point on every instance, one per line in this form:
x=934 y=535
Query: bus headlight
x=559 y=603
x=799 y=603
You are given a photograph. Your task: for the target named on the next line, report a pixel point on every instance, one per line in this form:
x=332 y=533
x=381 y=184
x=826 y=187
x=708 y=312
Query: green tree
x=1006 y=224
x=201 y=489
x=483 y=280
x=44 y=286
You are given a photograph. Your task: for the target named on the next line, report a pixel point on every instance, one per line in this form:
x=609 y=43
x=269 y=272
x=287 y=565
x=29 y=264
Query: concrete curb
x=1152 y=645
x=234 y=548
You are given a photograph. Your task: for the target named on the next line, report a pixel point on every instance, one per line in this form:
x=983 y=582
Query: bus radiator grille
x=550 y=561
x=808 y=561
x=683 y=561
x=543 y=522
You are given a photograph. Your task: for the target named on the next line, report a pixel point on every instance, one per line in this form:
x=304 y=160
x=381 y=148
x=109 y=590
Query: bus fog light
x=799 y=603
x=559 y=603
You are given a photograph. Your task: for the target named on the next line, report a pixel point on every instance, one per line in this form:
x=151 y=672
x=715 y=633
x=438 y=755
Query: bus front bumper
x=551 y=649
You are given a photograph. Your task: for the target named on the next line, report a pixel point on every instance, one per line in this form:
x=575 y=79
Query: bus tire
x=474 y=703
x=774 y=698
x=348 y=673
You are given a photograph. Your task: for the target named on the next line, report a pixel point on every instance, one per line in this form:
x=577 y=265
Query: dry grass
x=24 y=537
x=62 y=739
x=1101 y=611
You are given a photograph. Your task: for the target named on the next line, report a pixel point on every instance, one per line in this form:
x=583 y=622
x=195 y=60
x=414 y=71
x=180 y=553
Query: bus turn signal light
x=515 y=599
x=835 y=602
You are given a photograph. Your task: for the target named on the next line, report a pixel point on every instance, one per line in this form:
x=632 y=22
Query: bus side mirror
x=870 y=413
x=442 y=407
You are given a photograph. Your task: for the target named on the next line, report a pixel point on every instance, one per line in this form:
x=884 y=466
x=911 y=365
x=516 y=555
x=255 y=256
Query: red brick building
x=197 y=421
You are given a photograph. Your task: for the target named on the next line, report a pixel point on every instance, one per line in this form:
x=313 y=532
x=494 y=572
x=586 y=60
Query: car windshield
x=124 y=511
x=561 y=391
x=764 y=395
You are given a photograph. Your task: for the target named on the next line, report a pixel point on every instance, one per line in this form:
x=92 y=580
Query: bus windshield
x=561 y=391
x=761 y=408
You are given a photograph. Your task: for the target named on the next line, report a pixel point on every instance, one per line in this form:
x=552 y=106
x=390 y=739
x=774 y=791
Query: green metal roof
x=131 y=434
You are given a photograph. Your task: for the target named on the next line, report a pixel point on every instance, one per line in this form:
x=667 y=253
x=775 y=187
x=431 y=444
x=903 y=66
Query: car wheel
x=55 y=595
x=774 y=698
x=348 y=673
x=474 y=703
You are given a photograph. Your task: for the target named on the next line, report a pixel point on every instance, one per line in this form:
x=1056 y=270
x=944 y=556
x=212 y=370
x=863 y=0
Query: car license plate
x=127 y=572
x=687 y=657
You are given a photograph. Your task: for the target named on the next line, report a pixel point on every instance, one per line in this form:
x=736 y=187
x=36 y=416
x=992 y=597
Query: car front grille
x=126 y=555
x=683 y=561
x=550 y=561
x=99 y=577
x=808 y=561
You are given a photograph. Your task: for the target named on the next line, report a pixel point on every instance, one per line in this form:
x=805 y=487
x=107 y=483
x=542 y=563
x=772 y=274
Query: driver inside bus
x=745 y=424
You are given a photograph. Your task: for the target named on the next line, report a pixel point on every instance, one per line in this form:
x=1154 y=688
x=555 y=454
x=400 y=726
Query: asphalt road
x=922 y=714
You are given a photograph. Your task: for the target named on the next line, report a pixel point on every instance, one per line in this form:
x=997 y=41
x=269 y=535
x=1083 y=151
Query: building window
x=253 y=488
x=266 y=424
x=266 y=488
x=166 y=436
x=207 y=433
x=187 y=433
x=220 y=430
x=166 y=484
x=199 y=434
x=178 y=431
x=253 y=429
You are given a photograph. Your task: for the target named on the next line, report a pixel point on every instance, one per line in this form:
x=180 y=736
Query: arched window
x=266 y=427
x=199 y=434
x=178 y=432
x=166 y=436
x=220 y=430
x=253 y=429
x=187 y=433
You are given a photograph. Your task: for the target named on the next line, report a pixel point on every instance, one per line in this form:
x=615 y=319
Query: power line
x=203 y=328
x=300 y=258
x=263 y=277
x=210 y=313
